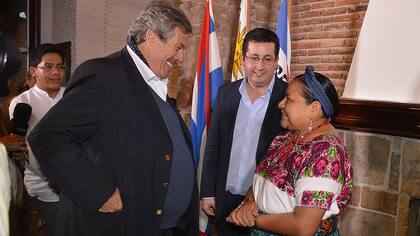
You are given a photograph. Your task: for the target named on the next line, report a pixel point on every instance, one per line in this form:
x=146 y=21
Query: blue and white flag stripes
x=208 y=79
x=283 y=32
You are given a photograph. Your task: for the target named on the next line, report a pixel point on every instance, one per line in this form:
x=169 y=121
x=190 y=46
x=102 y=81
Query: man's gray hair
x=161 y=18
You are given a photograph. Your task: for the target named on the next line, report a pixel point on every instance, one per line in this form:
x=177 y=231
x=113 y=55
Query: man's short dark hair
x=261 y=35
x=37 y=54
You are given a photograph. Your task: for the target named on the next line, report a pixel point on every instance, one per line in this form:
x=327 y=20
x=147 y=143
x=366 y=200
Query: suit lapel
x=229 y=115
x=142 y=91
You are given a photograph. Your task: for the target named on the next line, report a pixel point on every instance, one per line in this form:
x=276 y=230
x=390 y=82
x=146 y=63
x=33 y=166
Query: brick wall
x=324 y=34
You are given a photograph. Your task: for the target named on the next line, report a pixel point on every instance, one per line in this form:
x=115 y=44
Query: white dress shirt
x=246 y=135
x=35 y=181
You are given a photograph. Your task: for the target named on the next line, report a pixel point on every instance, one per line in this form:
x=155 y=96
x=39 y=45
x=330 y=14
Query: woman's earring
x=310 y=125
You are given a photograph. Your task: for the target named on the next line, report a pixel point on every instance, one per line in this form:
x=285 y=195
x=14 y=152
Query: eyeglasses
x=256 y=59
x=50 y=67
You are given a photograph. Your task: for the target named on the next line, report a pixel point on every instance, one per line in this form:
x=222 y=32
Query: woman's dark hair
x=327 y=87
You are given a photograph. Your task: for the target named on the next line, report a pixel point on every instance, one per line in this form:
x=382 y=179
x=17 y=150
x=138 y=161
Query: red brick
x=310 y=14
x=342 y=51
x=332 y=43
x=306 y=44
x=343 y=34
x=296 y=37
x=321 y=67
x=340 y=67
x=294 y=60
x=348 y=58
x=299 y=53
x=313 y=52
x=294 y=23
x=306 y=28
x=326 y=20
x=334 y=11
x=297 y=67
x=312 y=21
x=323 y=4
x=336 y=26
x=300 y=8
x=332 y=59
x=350 y=42
x=319 y=35
x=306 y=1
x=347 y=2
x=355 y=25
x=344 y=18
x=332 y=75
x=362 y=7
x=308 y=60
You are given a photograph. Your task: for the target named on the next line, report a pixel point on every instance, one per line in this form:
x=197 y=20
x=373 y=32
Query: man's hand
x=113 y=204
x=14 y=142
x=209 y=206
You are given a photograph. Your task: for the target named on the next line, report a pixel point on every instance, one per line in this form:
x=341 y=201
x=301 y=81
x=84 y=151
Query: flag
x=243 y=28
x=283 y=32
x=208 y=79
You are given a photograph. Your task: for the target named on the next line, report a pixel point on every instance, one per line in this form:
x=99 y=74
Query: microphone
x=21 y=116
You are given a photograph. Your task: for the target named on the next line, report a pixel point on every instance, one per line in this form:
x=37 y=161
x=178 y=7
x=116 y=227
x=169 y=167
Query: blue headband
x=317 y=91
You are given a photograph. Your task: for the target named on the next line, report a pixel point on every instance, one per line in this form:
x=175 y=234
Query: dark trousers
x=172 y=232
x=48 y=211
x=224 y=228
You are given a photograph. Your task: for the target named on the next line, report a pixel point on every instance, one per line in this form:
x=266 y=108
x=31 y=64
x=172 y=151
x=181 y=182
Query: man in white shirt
x=47 y=67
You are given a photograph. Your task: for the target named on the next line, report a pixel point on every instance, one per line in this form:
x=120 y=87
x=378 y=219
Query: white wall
x=386 y=63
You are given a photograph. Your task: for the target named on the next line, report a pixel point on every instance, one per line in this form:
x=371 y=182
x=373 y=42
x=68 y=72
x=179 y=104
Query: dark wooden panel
x=34 y=22
x=399 y=119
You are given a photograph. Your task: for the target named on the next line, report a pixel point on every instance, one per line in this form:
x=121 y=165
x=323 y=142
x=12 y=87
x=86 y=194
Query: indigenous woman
x=305 y=180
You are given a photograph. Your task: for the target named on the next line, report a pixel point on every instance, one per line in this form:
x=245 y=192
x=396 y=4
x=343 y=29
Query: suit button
x=167 y=157
x=159 y=212
x=165 y=184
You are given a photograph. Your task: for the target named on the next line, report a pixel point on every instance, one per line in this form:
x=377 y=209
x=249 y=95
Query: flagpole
x=248 y=15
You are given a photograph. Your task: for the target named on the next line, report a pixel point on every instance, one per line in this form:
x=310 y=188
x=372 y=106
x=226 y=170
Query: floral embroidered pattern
x=318 y=199
x=286 y=162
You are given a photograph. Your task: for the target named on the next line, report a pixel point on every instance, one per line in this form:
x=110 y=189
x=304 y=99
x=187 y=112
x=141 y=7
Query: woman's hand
x=245 y=214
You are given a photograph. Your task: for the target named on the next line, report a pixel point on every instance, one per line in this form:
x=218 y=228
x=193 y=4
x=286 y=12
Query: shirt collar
x=145 y=71
x=160 y=86
x=268 y=91
x=44 y=93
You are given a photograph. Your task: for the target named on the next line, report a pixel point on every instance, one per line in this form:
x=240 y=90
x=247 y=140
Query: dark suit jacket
x=219 y=142
x=107 y=132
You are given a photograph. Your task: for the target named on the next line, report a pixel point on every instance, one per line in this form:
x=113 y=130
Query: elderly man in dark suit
x=116 y=146
x=244 y=122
